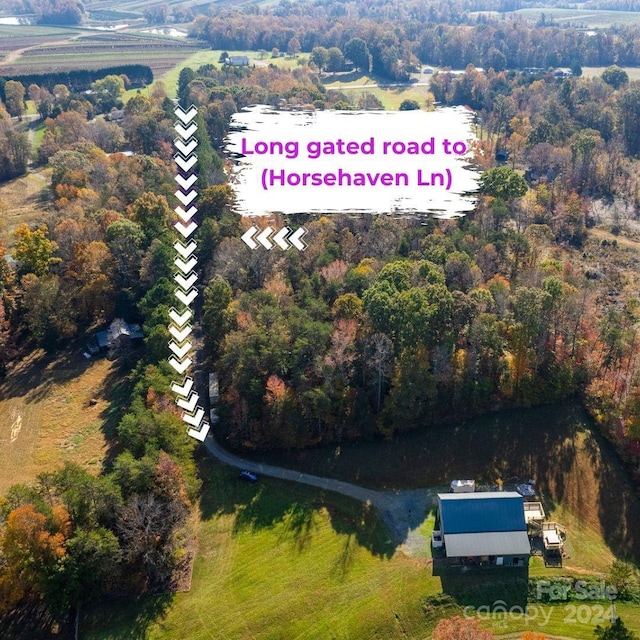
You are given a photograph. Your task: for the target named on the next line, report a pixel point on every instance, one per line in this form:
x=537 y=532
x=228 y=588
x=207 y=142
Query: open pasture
x=53 y=410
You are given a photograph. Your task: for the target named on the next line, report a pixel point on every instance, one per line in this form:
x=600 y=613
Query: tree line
x=106 y=250
x=397 y=45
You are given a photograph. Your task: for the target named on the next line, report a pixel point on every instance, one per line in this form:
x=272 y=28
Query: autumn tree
x=215 y=322
x=5 y=338
x=335 y=59
x=293 y=47
x=504 y=183
x=43 y=99
x=33 y=550
x=93 y=267
x=320 y=57
x=15 y=151
x=126 y=239
x=33 y=250
x=152 y=213
x=151 y=526
x=108 y=91
x=630 y=116
x=409 y=105
x=14 y=93
x=157 y=14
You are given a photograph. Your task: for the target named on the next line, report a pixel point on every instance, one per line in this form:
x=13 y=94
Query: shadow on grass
x=558 y=446
x=351 y=76
x=35 y=376
x=296 y=508
x=34 y=623
x=118 y=621
x=117 y=388
x=484 y=586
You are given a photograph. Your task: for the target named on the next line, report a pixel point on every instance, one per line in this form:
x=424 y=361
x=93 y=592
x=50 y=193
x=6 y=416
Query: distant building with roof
x=238 y=61
x=118 y=335
x=483 y=528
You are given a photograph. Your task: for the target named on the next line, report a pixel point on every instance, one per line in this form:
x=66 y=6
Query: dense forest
x=382 y=325
x=400 y=35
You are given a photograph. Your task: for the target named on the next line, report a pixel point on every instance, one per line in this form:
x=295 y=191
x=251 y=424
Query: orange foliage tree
x=32 y=548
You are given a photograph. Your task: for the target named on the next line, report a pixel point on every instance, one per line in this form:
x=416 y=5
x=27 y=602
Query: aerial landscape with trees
x=393 y=355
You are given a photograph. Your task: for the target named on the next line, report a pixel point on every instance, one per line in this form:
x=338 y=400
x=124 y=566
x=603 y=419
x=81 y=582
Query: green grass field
x=391 y=97
x=23 y=200
x=279 y=560
x=590 y=72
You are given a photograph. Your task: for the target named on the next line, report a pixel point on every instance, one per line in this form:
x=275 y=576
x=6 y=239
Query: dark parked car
x=248 y=475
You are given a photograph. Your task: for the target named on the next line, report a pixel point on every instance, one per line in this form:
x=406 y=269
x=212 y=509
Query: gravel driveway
x=402 y=510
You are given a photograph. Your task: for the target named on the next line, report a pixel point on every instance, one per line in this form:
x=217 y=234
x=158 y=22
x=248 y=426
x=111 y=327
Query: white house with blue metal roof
x=484 y=528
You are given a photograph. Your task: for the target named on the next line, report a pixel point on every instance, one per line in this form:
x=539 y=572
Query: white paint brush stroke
x=262 y=123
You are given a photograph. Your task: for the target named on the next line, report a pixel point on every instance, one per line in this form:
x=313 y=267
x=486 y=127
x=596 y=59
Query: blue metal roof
x=481 y=512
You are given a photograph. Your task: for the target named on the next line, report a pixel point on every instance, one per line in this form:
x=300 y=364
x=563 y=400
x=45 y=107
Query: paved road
x=403 y=511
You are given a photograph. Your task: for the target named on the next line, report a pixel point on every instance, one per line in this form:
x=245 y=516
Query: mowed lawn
x=591 y=72
x=353 y=85
x=54 y=410
x=283 y=561
x=277 y=560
